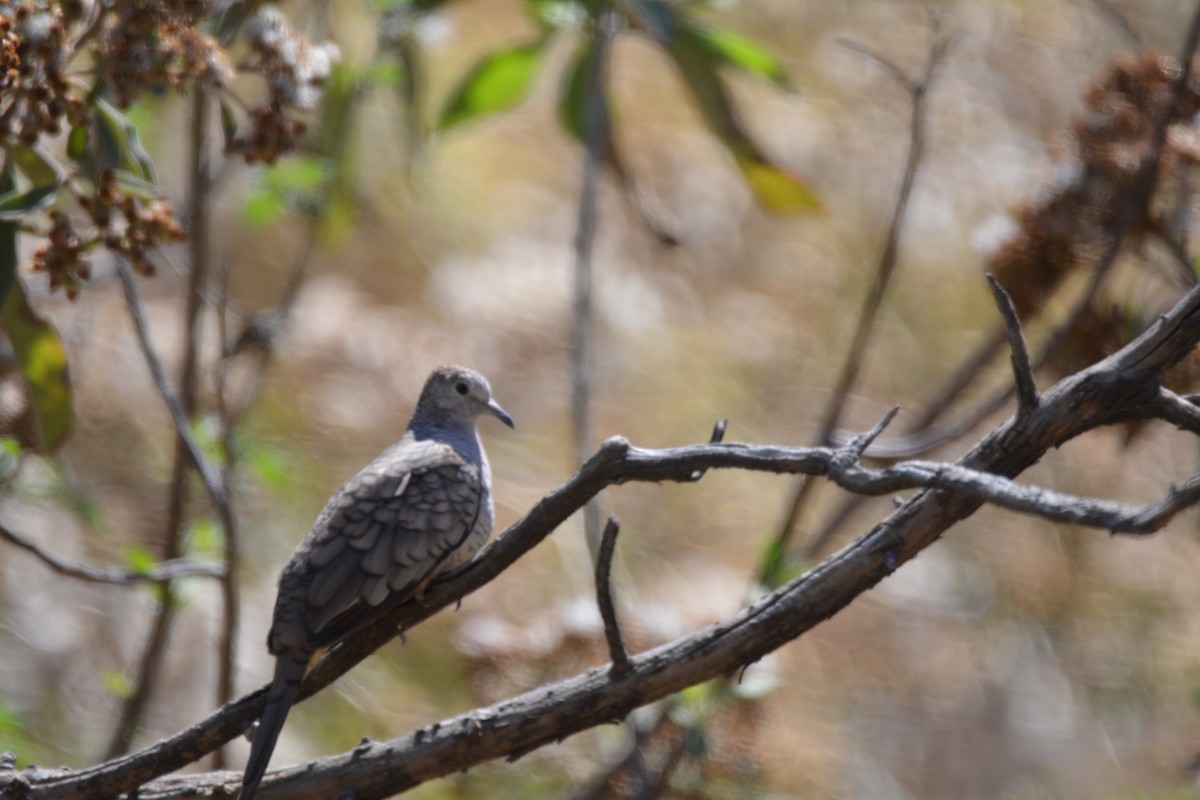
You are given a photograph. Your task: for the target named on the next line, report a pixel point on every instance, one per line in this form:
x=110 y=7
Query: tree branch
x=601 y=30
x=1115 y=389
x=1108 y=391
x=1027 y=394
x=1180 y=412
x=918 y=90
x=608 y=613
x=550 y=712
x=208 y=474
x=166 y=570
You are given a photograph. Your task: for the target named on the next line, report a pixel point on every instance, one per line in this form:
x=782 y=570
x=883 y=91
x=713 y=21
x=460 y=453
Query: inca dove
x=423 y=505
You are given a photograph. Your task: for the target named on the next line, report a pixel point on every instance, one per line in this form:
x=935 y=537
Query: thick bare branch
x=375 y=770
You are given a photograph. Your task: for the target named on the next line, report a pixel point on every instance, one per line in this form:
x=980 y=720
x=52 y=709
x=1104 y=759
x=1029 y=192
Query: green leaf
x=13 y=736
x=737 y=51
x=262 y=208
x=15 y=205
x=10 y=455
x=120 y=147
x=500 y=81
x=132 y=184
x=695 y=742
x=206 y=431
x=340 y=98
x=36 y=164
x=43 y=362
x=77 y=142
x=407 y=71
x=572 y=105
x=205 y=538
x=268 y=465
x=775 y=188
x=775 y=568
x=386 y=74
x=291 y=186
x=140 y=560
x=117 y=684
x=698 y=701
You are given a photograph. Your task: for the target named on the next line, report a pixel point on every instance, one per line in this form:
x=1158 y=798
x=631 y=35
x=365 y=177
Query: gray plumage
x=422 y=506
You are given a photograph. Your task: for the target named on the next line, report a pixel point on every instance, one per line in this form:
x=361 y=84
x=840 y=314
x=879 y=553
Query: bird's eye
x=461 y=387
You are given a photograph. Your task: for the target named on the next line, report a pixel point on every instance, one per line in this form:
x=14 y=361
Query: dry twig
x=608 y=612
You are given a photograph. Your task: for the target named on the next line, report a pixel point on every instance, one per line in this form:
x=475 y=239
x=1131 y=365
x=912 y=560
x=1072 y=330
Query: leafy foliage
x=500 y=81
x=504 y=78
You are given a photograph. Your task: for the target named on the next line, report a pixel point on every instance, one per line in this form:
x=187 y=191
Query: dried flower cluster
x=125 y=225
x=1065 y=229
x=140 y=45
x=294 y=69
x=158 y=44
x=35 y=92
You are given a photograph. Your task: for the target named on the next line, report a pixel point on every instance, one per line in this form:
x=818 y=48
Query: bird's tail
x=289 y=671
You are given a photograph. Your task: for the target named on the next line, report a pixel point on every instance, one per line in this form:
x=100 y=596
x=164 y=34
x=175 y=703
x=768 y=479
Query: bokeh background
x=1014 y=659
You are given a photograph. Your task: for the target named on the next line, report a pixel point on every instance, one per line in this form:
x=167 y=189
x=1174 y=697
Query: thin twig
x=162 y=571
x=1184 y=268
x=209 y=476
x=596 y=134
x=962 y=378
x=230 y=595
x=1110 y=391
x=918 y=91
x=155 y=647
x=608 y=611
x=1136 y=198
x=718 y=435
x=901 y=77
x=1027 y=393
x=858 y=444
x=1181 y=412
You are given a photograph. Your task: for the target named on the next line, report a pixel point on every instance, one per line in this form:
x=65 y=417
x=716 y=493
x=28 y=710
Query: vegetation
x=233 y=242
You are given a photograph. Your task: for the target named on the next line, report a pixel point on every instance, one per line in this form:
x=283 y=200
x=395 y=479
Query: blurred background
x=1014 y=659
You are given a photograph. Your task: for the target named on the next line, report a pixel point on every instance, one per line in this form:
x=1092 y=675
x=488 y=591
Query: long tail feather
x=289 y=671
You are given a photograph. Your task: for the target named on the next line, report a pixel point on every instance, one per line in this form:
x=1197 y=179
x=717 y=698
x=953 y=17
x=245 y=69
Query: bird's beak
x=500 y=414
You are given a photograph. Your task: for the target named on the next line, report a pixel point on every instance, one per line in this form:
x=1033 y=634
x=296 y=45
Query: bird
x=422 y=506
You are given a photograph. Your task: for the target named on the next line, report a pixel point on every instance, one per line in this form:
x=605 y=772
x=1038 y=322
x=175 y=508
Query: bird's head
x=459 y=393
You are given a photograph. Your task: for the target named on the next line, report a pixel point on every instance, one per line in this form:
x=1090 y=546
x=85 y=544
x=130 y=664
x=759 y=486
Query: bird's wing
x=388 y=529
